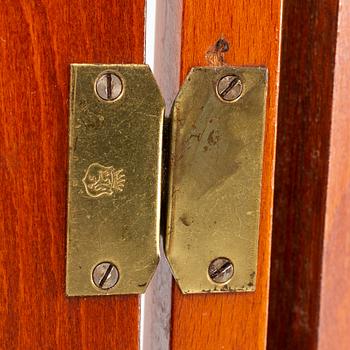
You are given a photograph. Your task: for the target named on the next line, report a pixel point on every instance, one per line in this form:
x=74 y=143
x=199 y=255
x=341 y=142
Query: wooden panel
x=304 y=120
x=233 y=321
x=38 y=40
x=335 y=287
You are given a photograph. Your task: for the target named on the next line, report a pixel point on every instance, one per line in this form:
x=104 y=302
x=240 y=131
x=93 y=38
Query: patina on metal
x=115 y=137
x=215 y=179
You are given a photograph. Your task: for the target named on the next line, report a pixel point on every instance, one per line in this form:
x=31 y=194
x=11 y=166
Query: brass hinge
x=213 y=187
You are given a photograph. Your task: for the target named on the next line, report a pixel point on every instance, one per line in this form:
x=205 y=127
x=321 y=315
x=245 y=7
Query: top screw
x=109 y=86
x=105 y=275
x=221 y=270
x=229 y=88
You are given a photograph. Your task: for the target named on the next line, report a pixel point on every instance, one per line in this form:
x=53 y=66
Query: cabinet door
x=309 y=292
x=38 y=41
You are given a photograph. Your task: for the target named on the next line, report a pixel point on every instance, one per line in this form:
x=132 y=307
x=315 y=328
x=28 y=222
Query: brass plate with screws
x=218 y=123
x=116 y=118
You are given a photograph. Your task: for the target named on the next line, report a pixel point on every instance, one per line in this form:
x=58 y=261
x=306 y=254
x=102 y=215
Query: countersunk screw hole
x=221 y=270
x=105 y=275
x=229 y=88
x=108 y=86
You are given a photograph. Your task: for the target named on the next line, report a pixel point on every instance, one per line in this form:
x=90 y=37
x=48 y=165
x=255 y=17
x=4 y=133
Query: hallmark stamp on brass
x=102 y=180
x=113 y=221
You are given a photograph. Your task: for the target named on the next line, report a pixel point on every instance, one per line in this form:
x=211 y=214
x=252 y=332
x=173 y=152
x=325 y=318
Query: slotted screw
x=229 y=88
x=109 y=86
x=221 y=270
x=105 y=275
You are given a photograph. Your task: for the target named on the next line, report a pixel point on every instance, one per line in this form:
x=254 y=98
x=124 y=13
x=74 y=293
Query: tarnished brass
x=114 y=178
x=215 y=179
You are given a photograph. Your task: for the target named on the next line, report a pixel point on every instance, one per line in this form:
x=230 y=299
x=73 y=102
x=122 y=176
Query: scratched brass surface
x=215 y=179
x=114 y=179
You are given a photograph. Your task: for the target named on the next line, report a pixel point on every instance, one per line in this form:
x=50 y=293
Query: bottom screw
x=105 y=275
x=221 y=270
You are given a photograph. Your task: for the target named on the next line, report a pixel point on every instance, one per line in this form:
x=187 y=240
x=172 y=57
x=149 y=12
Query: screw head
x=108 y=86
x=221 y=270
x=105 y=275
x=229 y=88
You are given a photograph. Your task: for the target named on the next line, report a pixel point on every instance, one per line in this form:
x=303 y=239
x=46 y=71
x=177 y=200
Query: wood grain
x=38 y=41
x=233 y=321
x=334 y=322
x=303 y=144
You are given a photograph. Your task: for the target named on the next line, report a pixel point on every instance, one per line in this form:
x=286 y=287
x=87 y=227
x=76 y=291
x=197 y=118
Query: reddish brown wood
x=237 y=320
x=38 y=41
x=303 y=146
x=335 y=288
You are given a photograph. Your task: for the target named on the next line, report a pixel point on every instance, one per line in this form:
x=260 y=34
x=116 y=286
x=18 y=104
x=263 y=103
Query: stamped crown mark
x=101 y=180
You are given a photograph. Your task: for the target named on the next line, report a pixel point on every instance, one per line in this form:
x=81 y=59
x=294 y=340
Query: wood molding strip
x=310 y=224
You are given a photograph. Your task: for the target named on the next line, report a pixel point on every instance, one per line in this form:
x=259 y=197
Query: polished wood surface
x=238 y=320
x=38 y=41
x=303 y=148
x=334 y=323
x=335 y=286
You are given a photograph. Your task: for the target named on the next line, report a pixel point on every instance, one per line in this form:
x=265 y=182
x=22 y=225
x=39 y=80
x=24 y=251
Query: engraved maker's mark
x=101 y=180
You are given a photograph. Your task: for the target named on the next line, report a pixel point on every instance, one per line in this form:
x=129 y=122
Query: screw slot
x=229 y=88
x=105 y=275
x=221 y=270
x=108 y=86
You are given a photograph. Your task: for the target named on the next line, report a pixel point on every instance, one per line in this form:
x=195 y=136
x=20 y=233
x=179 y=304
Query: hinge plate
x=215 y=180
x=114 y=179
